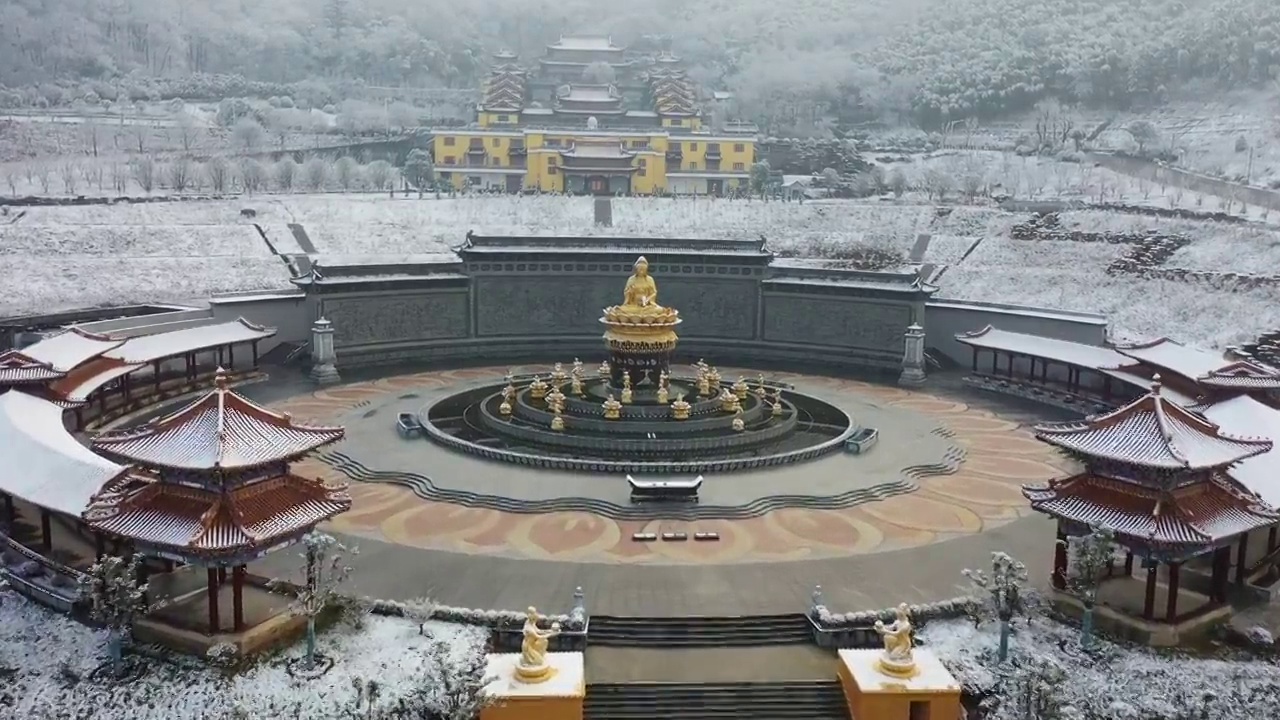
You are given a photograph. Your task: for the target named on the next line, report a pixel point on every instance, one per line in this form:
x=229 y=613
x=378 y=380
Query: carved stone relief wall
x=712 y=308
x=542 y=305
x=397 y=318
x=851 y=322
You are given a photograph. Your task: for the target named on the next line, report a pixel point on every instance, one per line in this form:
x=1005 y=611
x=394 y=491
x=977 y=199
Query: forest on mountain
x=856 y=60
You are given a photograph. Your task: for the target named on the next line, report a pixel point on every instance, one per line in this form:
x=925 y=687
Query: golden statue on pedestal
x=777 y=403
x=508 y=396
x=577 y=370
x=612 y=408
x=504 y=408
x=640 y=333
x=664 y=391
x=604 y=369
x=557 y=422
x=626 y=389
x=680 y=409
x=738 y=424
x=704 y=384
x=558 y=375
x=728 y=401
x=533 y=666
x=555 y=400
x=575 y=386
x=761 y=391
x=713 y=375
x=537 y=388
x=740 y=388
x=897 y=658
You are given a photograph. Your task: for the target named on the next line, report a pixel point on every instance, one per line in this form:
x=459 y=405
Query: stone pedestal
x=323 y=358
x=928 y=692
x=913 y=358
x=559 y=697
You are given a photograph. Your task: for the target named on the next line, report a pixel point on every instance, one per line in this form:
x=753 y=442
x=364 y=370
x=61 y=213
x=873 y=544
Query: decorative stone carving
x=537 y=306
x=323 y=358
x=851 y=323
x=913 y=369
x=713 y=308
x=397 y=318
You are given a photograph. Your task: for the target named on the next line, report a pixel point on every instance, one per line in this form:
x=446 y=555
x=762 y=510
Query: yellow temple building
x=560 y=128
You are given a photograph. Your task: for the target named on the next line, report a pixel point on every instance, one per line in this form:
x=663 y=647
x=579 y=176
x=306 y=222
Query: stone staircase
x=812 y=700
x=691 y=632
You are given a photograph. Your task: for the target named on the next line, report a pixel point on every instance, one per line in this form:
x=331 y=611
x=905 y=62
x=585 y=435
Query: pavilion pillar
x=1128 y=564
x=222 y=576
x=1171 y=604
x=1271 y=538
x=1106 y=388
x=254 y=346
x=142 y=577
x=995 y=359
x=79 y=418
x=1009 y=370
x=975 y=358
x=46 y=531
x=1149 y=603
x=126 y=387
x=155 y=369
x=1242 y=557
x=99 y=545
x=1218 y=582
x=213 y=601
x=1060 y=560
x=237 y=597
x=231 y=357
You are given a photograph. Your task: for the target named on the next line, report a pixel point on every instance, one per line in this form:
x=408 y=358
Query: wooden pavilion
x=213 y=488
x=1155 y=474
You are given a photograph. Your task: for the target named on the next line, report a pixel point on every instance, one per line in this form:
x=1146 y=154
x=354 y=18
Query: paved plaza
x=906 y=547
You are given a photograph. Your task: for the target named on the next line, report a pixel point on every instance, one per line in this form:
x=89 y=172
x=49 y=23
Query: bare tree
x=324 y=571
x=217 y=171
x=378 y=173
x=180 y=173
x=1090 y=556
x=286 y=172
x=11 y=179
x=92 y=132
x=937 y=183
x=142 y=134
x=248 y=133
x=41 y=171
x=315 y=173
x=93 y=176
x=199 y=174
x=70 y=174
x=1053 y=124
x=973 y=175
x=119 y=178
x=346 y=172
x=144 y=172
x=898 y=182
x=252 y=175
x=187 y=130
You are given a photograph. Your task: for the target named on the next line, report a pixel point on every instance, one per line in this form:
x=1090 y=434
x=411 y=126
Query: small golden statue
x=704 y=385
x=740 y=388
x=537 y=388
x=680 y=409
x=577 y=371
x=713 y=375
x=533 y=666
x=761 y=391
x=728 y=401
x=509 y=392
x=555 y=400
x=738 y=424
x=504 y=408
x=897 y=658
x=605 y=370
x=626 y=389
x=557 y=422
x=576 y=386
x=558 y=375
x=612 y=408
x=664 y=394
x=776 y=411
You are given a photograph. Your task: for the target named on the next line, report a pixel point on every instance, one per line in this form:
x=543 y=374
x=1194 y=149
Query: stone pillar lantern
x=913 y=357
x=323 y=357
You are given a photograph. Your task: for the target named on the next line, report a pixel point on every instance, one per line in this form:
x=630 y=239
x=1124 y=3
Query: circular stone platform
x=942 y=470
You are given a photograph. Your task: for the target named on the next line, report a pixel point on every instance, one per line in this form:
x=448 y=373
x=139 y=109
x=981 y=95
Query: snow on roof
x=70 y=348
x=1242 y=375
x=585 y=42
x=222 y=430
x=1153 y=432
x=597 y=150
x=80 y=383
x=1166 y=354
x=146 y=348
x=1063 y=351
x=47 y=466
x=590 y=93
x=17 y=368
x=1260 y=474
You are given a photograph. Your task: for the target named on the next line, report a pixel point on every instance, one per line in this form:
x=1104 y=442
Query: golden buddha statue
x=604 y=370
x=612 y=408
x=728 y=401
x=640 y=301
x=504 y=408
x=558 y=375
x=555 y=400
x=740 y=388
x=557 y=422
x=704 y=385
x=577 y=369
x=537 y=388
x=713 y=375
x=680 y=409
x=664 y=394
x=626 y=389
x=761 y=390
x=575 y=385
x=738 y=424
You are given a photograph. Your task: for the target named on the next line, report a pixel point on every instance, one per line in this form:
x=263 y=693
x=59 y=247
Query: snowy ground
x=52 y=658
x=1119 y=683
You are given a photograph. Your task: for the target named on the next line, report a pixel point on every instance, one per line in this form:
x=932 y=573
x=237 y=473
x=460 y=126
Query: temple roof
x=220 y=431
x=1197 y=514
x=1166 y=354
x=1063 y=351
x=585 y=42
x=17 y=368
x=612 y=150
x=78 y=384
x=589 y=93
x=1153 y=432
x=71 y=347
x=184 y=518
x=1241 y=375
x=146 y=348
x=1259 y=474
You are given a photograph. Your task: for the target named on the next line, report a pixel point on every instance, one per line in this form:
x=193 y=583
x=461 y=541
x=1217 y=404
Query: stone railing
x=41 y=579
x=506 y=626
x=836 y=631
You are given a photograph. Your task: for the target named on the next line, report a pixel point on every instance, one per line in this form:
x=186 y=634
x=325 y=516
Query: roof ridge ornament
x=220 y=379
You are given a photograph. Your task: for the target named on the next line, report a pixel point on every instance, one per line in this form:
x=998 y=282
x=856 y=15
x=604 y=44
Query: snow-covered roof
x=611 y=150
x=1166 y=354
x=1063 y=351
x=71 y=347
x=222 y=430
x=1153 y=432
x=1195 y=515
x=205 y=523
x=1259 y=474
x=590 y=93
x=585 y=42
x=17 y=368
x=80 y=383
x=1241 y=375
x=44 y=464
x=146 y=348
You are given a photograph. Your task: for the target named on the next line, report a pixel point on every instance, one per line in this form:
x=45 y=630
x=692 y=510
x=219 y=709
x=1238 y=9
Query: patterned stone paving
x=981 y=496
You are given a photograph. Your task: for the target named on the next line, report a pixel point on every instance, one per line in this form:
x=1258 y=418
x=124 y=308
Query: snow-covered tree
x=760 y=177
x=898 y=182
x=1006 y=588
x=1143 y=133
x=253 y=175
x=1090 y=556
x=286 y=171
x=218 y=173
x=346 y=171
x=454 y=689
x=324 y=571
x=378 y=173
x=248 y=133
x=144 y=172
x=180 y=172
x=70 y=174
x=115 y=599
x=937 y=183
x=418 y=169
x=315 y=173
x=599 y=73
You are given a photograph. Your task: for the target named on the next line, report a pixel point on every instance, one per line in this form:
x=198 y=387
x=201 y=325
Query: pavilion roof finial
x=220 y=378
x=1155 y=384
